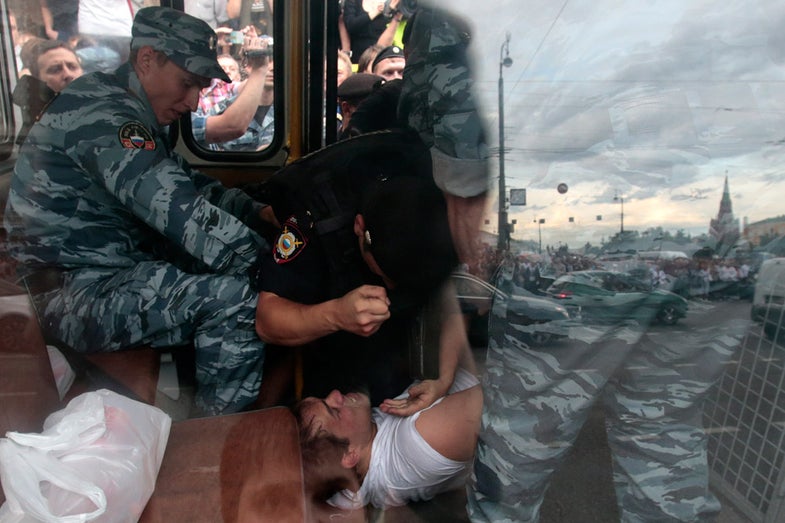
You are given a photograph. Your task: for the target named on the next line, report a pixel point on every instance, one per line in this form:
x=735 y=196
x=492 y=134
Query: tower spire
x=725 y=228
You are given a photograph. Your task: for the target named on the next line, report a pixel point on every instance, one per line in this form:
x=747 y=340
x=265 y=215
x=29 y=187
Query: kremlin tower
x=725 y=228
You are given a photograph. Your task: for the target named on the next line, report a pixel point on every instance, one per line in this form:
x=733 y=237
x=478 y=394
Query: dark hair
x=367 y=57
x=408 y=233
x=321 y=454
x=29 y=52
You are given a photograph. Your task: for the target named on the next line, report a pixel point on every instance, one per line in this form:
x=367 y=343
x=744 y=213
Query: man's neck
x=365 y=455
x=267 y=96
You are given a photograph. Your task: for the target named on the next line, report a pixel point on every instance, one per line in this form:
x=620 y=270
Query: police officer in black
x=364 y=244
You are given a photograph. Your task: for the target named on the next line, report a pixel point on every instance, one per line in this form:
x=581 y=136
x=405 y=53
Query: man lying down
x=355 y=455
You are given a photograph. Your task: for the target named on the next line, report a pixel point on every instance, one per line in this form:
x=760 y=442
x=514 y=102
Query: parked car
x=768 y=302
x=538 y=319
x=607 y=296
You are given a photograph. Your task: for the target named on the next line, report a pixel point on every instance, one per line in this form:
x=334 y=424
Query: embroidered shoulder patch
x=290 y=242
x=134 y=135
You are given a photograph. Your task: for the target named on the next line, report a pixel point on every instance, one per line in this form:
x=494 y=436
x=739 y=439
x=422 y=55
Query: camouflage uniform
x=537 y=399
x=152 y=252
x=437 y=101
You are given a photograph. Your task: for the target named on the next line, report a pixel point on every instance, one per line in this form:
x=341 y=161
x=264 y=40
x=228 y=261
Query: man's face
x=342 y=415
x=172 y=91
x=58 y=68
x=269 y=80
x=390 y=68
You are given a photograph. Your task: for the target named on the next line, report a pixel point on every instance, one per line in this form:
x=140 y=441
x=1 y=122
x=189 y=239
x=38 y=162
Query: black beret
x=358 y=86
x=391 y=51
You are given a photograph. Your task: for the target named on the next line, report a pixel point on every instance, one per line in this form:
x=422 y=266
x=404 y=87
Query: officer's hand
x=363 y=310
x=421 y=395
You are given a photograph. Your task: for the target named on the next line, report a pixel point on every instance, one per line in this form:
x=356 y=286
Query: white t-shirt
x=403 y=466
x=107 y=17
x=211 y=11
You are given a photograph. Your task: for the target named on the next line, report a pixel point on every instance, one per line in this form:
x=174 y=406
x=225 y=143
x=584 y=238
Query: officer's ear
x=145 y=57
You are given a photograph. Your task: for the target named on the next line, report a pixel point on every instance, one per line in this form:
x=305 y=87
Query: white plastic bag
x=96 y=460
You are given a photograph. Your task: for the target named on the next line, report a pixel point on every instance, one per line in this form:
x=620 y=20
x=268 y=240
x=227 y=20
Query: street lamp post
x=539 y=230
x=617 y=198
x=504 y=231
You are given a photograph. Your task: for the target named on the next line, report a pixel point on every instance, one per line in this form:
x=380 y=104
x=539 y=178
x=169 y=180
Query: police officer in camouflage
x=536 y=400
x=147 y=250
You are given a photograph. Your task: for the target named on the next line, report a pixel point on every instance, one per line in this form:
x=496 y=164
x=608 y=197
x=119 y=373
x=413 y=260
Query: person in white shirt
x=387 y=460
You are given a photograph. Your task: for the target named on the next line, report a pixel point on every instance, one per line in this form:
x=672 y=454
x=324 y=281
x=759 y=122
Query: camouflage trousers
x=537 y=399
x=156 y=304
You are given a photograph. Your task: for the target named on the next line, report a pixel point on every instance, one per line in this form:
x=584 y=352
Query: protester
x=387 y=460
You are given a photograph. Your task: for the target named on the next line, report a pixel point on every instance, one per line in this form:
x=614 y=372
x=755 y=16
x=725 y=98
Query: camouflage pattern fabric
x=156 y=304
x=188 y=41
x=537 y=400
x=437 y=101
x=155 y=252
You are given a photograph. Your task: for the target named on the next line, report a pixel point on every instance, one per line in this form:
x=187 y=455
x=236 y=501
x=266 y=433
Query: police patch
x=134 y=135
x=290 y=242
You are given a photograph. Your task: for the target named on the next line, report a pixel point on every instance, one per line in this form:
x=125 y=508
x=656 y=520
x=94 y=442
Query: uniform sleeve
x=155 y=186
x=295 y=268
x=234 y=201
x=437 y=100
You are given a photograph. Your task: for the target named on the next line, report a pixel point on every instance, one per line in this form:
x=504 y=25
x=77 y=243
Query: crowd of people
x=94 y=36
x=142 y=249
x=67 y=39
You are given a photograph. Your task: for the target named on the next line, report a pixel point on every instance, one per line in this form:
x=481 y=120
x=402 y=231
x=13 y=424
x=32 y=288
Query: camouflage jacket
x=97 y=185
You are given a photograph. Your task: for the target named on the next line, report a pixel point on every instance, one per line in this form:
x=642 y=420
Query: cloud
x=656 y=100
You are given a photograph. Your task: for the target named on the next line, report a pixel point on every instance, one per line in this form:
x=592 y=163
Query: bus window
x=237 y=116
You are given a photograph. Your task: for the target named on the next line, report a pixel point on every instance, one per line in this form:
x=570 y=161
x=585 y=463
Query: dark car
x=537 y=319
x=606 y=296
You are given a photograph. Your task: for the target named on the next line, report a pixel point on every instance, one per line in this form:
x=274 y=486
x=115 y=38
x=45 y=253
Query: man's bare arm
x=454 y=351
x=234 y=121
x=451 y=426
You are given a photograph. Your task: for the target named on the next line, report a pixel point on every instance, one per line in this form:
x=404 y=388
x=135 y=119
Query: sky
x=653 y=102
